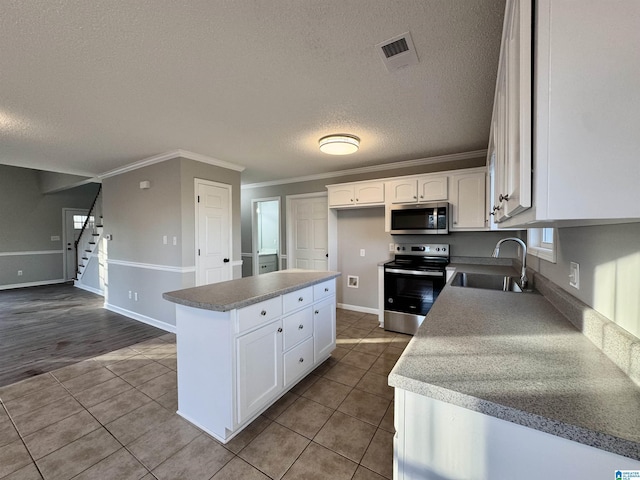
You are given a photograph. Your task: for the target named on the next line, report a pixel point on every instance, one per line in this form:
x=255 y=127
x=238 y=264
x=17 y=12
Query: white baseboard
x=32 y=284
x=88 y=288
x=357 y=308
x=141 y=318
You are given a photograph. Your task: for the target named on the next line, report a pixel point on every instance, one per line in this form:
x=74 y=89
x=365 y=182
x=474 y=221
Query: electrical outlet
x=392 y=247
x=353 y=281
x=55 y=238
x=574 y=275
x=362 y=252
x=19 y=273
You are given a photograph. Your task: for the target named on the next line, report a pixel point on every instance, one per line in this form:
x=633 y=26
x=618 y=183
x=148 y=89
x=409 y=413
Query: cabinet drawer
x=259 y=313
x=324 y=289
x=298 y=361
x=300 y=298
x=297 y=327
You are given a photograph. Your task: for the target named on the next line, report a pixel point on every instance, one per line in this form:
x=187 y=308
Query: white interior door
x=307 y=227
x=213 y=232
x=73 y=220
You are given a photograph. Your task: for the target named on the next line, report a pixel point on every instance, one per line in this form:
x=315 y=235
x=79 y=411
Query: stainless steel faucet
x=523 y=275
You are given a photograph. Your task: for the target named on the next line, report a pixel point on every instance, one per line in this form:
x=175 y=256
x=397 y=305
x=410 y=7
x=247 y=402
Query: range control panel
x=422 y=249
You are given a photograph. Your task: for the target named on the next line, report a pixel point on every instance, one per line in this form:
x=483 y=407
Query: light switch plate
x=574 y=275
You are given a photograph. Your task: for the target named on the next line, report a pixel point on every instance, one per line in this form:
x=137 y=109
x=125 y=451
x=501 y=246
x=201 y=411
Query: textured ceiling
x=90 y=86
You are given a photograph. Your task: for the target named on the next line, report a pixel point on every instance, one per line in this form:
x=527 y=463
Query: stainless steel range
x=412 y=282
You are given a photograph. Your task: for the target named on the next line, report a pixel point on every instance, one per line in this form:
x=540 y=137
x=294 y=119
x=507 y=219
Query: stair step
x=95 y=234
x=88 y=251
x=85 y=258
x=92 y=243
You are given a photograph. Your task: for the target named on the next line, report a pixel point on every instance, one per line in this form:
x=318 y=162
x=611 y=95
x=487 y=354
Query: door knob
x=226 y=260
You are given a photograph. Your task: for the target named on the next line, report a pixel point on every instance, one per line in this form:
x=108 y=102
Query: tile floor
x=113 y=417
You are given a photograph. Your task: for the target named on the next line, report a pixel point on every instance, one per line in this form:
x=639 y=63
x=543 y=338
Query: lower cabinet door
x=324 y=329
x=259 y=368
x=297 y=361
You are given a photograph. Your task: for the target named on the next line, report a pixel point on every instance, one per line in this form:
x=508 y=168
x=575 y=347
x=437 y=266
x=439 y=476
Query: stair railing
x=90 y=222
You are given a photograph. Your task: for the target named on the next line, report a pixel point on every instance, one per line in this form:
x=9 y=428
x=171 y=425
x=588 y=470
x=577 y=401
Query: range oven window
x=410 y=293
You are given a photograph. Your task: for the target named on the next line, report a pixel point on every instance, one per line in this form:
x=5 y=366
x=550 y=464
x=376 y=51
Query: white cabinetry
x=510 y=139
x=418 y=189
x=585 y=112
x=360 y=193
x=324 y=329
x=259 y=368
x=436 y=440
x=233 y=365
x=467 y=202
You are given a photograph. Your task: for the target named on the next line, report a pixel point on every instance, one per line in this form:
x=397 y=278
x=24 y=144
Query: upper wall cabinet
x=361 y=193
x=421 y=189
x=510 y=140
x=467 y=201
x=585 y=105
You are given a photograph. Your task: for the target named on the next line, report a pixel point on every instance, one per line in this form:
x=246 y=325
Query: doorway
x=72 y=221
x=213 y=232
x=265 y=228
x=307 y=232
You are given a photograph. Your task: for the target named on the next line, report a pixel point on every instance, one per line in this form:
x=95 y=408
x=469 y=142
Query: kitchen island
x=501 y=385
x=244 y=343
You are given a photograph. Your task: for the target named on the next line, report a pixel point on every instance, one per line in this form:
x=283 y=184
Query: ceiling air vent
x=398 y=52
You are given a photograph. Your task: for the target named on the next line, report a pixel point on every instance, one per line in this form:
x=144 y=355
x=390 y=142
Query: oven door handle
x=414 y=272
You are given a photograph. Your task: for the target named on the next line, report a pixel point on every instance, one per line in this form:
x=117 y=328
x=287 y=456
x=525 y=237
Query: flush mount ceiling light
x=339 y=144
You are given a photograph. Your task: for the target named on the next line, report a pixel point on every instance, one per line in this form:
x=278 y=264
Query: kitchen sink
x=505 y=283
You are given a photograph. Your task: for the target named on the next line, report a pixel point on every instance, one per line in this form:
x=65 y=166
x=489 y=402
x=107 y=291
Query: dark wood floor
x=44 y=328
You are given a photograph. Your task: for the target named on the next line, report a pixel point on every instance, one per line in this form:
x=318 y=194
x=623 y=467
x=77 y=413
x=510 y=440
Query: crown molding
x=163 y=157
x=375 y=168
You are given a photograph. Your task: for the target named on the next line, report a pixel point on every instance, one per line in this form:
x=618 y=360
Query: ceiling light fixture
x=339 y=144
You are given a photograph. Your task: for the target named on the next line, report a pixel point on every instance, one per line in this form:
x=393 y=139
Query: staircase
x=90 y=237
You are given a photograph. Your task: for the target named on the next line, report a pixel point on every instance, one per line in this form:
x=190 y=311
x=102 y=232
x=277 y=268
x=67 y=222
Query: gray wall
x=28 y=220
x=51 y=182
x=190 y=170
x=364 y=228
x=312 y=186
x=609 y=258
x=138 y=220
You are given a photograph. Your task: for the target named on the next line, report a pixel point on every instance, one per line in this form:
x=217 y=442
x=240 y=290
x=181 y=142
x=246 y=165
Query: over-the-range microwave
x=419 y=219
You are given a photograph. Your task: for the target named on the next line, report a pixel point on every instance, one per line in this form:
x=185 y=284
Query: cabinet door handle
x=263 y=313
x=503 y=197
x=317 y=312
x=301 y=360
x=357 y=199
x=280 y=330
x=415 y=198
x=300 y=299
x=326 y=289
x=421 y=196
x=300 y=327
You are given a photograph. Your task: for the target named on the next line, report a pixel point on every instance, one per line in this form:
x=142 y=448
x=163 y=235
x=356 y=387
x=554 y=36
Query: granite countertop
x=516 y=357
x=225 y=296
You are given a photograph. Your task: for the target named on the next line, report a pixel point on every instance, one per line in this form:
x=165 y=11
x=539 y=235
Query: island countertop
x=516 y=357
x=242 y=292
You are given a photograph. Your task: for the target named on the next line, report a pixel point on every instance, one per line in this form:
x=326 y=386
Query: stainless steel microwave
x=419 y=219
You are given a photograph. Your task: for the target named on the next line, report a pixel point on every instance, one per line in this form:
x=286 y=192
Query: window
x=542 y=243
x=78 y=221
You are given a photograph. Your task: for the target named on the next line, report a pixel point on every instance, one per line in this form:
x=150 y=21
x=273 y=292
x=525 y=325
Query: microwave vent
x=398 y=52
